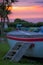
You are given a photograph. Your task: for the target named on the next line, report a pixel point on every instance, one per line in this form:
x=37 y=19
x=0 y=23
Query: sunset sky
x=28 y=9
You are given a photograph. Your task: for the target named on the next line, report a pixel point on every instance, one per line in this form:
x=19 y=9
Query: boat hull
x=35 y=51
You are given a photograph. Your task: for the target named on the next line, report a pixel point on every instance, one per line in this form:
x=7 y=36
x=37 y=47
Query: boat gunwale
x=35 y=39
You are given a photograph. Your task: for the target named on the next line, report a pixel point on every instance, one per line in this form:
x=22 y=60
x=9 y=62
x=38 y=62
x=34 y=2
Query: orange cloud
x=29 y=8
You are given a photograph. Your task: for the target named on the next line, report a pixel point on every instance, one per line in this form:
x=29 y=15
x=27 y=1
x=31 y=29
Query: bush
x=8 y=29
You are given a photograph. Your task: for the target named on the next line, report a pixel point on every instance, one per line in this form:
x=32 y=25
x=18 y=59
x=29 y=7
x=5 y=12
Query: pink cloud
x=27 y=12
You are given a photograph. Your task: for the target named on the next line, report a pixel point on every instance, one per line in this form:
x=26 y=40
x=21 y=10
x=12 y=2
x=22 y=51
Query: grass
x=4 y=47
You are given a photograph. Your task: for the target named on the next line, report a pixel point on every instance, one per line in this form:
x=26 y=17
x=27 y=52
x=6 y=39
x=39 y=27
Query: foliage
x=24 y=23
x=9 y=29
x=4 y=10
x=39 y=24
x=12 y=24
x=27 y=24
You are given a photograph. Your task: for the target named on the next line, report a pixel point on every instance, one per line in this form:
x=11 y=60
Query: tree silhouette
x=4 y=12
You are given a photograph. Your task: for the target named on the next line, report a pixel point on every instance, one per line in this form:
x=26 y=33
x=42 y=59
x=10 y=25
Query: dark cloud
x=39 y=2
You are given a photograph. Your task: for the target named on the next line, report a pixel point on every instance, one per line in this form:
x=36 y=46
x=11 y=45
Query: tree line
x=13 y=25
x=24 y=23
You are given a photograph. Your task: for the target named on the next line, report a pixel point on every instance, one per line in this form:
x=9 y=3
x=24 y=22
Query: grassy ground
x=4 y=48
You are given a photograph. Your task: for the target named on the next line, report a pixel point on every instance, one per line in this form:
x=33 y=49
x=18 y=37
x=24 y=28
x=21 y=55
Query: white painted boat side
x=36 y=51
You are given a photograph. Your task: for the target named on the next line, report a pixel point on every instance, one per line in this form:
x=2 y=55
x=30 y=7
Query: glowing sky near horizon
x=27 y=9
x=27 y=12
